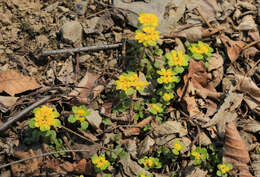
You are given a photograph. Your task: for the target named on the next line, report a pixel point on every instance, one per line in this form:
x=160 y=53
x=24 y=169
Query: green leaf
x=219 y=173
x=129 y=91
x=106 y=175
x=32 y=123
x=94 y=157
x=153 y=111
x=175 y=152
x=178 y=69
x=72 y=119
x=84 y=125
x=57 y=122
x=107 y=121
x=157 y=64
x=74 y=109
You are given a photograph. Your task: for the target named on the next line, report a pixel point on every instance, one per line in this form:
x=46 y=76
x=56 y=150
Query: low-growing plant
x=100 y=163
x=178 y=146
x=150 y=162
x=142 y=174
x=199 y=155
x=223 y=169
x=80 y=114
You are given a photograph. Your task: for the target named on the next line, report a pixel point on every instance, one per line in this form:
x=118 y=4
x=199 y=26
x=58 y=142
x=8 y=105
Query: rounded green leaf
x=84 y=125
x=72 y=119
x=32 y=123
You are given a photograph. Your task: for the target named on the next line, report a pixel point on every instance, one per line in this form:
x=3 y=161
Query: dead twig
x=81 y=49
x=42 y=155
x=251 y=44
x=204 y=19
x=23 y=112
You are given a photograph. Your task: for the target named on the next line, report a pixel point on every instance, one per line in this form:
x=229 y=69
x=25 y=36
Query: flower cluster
x=223 y=169
x=147 y=34
x=156 y=108
x=177 y=58
x=199 y=155
x=142 y=174
x=150 y=162
x=100 y=162
x=200 y=50
x=45 y=118
x=80 y=114
x=167 y=96
x=128 y=81
x=177 y=147
x=166 y=76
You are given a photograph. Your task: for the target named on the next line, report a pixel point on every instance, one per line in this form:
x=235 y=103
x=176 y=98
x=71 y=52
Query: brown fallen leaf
x=13 y=82
x=29 y=167
x=234 y=48
x=136 y=131
x=197 y=82
x=235 y=151
x=6 y=102
x=87 y=89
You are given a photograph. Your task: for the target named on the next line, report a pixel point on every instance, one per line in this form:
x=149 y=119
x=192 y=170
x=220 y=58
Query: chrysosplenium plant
x=162 y=71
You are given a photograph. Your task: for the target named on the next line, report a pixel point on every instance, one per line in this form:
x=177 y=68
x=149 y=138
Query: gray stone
x=81 y=7
x=71 y=32
x=94 y=119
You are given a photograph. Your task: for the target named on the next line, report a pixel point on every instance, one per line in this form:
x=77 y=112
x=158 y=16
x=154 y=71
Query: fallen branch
x=81 y=49
x=23 y=112
x=42 y=155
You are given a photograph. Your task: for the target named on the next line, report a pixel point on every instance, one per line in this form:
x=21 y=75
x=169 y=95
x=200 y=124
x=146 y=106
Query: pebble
x=81 y=7
x=71 y=32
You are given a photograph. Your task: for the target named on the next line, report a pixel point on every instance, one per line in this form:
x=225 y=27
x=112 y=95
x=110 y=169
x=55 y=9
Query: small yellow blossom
x=167 y=76
x=80 y=113
x=44 y=118
x=148 y=36
x=200 y=50
x=148 y=162
x=148 y=19
x=223 y=168
x=100 y=162
x=178 y=147
x=129 y=80
x=167 y=96
x=177 y=58
x=196 y=155
x=157 y=108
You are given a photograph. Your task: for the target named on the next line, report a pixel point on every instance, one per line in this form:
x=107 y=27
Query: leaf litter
x=221 y=100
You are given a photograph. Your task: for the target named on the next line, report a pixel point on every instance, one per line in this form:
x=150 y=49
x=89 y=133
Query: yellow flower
x=196 y=155
x=129 y=80
x=200 y=50
x=100 y=162
x=177 y=146
x=80 y=113
x=167 y=76
x=177 y=58
x=148 y=19
x=157 y=108
x=148 y=36
x=167 y=96
x=45 y=117
x=148 y=162
x=223 y=168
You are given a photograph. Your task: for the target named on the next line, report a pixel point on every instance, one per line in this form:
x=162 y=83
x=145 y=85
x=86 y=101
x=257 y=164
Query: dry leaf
x=256 y=164
x=6 y=102
x=29 y=167
x=136 y=131
x=235 y=151
x=13 y=82
x=234 y=48
x=87 y=89
x=216 y=68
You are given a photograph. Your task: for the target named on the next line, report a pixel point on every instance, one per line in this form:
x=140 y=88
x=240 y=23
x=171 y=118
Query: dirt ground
x=216 y=107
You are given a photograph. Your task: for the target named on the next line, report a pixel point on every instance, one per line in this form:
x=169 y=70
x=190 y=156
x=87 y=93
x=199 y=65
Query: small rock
x=81 y=7
x=94 y=119
x=72 y=32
